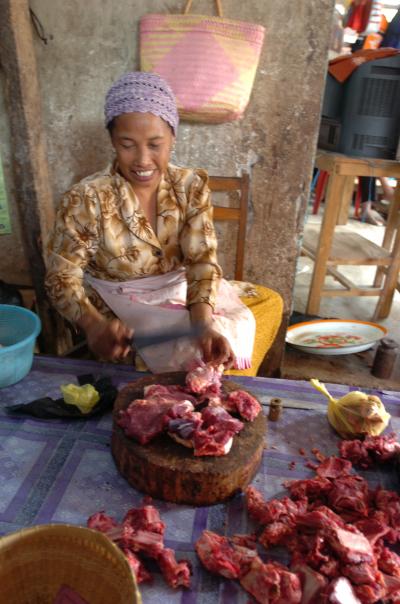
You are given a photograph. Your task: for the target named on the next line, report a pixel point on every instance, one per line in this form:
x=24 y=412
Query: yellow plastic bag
x=356 y=414
x=84 y=397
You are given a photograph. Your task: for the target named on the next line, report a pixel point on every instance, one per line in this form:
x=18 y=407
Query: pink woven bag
x=209 y=62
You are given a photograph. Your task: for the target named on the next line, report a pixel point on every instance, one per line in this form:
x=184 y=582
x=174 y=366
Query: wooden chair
x=230 y=184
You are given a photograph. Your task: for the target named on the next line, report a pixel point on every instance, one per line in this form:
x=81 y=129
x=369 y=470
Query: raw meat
x=333 y=467
x=212 y=441
x=176 y=574
x=181 y=422
x=218 y=416
x=143 y=420
x=341 y=592
x=312 y=583
x=101 y=522
x=139 y=570
x=174 y=391
x=374 y=449
x=142 y=532
x=244 y=403
x=171 y=409
x=215 y=436
x=204 y=378
x=271 y=583
x=223 y=556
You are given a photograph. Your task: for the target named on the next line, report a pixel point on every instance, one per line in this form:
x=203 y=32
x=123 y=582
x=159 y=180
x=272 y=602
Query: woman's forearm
x=201 y=312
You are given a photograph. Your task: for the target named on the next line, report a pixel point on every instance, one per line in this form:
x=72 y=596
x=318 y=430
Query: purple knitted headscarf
x=143 y=92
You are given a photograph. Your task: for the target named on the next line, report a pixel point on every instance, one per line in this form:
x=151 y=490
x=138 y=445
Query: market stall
x=62 y=471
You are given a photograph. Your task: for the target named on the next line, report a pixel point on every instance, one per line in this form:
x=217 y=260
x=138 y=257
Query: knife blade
x=143 y=340
x=295 y=404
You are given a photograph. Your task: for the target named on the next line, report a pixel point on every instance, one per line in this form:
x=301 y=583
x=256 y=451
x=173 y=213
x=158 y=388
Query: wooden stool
x=335 y=249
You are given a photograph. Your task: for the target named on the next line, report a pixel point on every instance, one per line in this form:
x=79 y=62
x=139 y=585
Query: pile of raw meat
x=335 y=528
x=197 y=415
x=141 y=536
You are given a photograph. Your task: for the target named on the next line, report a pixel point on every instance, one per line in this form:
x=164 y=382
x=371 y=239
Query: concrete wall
x=93 y=42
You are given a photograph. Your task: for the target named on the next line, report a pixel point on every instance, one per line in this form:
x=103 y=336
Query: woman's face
x=143 y=144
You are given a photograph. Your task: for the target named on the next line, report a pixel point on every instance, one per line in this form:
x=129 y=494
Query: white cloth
x=153 y=303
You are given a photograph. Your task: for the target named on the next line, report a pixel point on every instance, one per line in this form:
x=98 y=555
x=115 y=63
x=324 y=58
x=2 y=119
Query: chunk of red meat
x=373 y=528
x=384 y=447
x=101 y=522
x=369 y=594
x=365 y=572
x=268 y=511
x=181 y=409
x=173 y=392
x=312 y=583
x=139 y=570
x=271 y=584
x=185 y=428
x=310 y=549
x=312 y=488
x=320 y=518
x=350 y=494
x=176 y=574
x=333 y=467
x=217 y=401
x=212 y=441
x=221 y=556
x=276 y=533
x=182 y=421
x=148 y=542
x=146 y=518
x=354 y=451
x=388 y=561
x=245 y=404
x=143 y=420
x=204 y=378
x=373 y=449
x=346 y=540
x=248 y=541
x=330 y=568
x=340 y=591
x=389 y=503
x=392 y=585
x=350 y=544
x=218 y=416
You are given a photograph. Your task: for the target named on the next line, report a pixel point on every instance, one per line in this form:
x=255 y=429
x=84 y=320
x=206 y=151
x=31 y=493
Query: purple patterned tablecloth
x=63 y=471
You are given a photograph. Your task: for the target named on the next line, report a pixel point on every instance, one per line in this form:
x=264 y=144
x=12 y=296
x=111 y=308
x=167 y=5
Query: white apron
x=157 y=303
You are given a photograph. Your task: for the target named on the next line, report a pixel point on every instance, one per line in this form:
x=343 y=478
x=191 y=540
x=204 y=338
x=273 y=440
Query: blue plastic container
x=19 y=329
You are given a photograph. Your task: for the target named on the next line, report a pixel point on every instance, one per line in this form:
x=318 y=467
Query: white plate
x=334 y=336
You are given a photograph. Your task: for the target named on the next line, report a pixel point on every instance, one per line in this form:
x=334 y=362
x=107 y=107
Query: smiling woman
x=134 y=246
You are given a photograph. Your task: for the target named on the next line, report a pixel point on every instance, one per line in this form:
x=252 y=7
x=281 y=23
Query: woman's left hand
x=216 y=348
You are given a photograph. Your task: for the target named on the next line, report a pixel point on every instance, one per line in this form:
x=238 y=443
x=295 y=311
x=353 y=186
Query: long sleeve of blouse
x=100 y=229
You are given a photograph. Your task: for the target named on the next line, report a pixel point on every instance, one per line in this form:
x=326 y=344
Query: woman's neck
x=148 y=204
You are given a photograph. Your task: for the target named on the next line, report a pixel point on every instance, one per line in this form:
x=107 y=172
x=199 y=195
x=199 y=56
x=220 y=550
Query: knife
x=142 y=340
x=295 y=404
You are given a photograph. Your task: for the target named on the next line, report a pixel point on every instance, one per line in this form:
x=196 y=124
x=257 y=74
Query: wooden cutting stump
x=167 y=470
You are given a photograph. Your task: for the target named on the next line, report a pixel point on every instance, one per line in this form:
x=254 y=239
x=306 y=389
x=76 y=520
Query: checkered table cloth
x=63 y=471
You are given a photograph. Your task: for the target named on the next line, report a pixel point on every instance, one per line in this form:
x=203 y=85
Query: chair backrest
x=221 y=213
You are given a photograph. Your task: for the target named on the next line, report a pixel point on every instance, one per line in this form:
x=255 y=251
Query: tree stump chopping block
x=167 y=470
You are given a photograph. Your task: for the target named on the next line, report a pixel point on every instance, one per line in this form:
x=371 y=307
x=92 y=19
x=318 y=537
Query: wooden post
x=336 y=186
x=346 y=200
x=29 y=155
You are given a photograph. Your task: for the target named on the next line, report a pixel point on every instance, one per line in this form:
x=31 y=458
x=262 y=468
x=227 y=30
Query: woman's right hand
x=108 y=339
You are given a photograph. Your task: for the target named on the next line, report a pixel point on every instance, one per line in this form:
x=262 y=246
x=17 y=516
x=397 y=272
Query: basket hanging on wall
x=209 y=62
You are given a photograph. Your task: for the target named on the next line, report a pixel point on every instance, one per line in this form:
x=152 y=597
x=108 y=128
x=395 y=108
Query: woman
x=134 y=246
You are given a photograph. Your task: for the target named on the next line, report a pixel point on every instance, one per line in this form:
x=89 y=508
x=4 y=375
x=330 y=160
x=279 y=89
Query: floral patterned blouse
x=100 y=228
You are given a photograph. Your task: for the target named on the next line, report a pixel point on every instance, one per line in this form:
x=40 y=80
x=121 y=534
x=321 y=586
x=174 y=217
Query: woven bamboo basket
x=35 y=563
